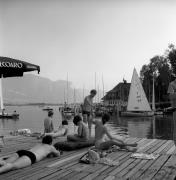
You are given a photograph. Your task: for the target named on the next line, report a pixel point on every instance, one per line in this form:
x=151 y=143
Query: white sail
x=137 y=100
x=1 y=95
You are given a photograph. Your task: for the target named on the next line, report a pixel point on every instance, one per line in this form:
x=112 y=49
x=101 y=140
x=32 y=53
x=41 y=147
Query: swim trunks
x=86 y=112
x=29 y=154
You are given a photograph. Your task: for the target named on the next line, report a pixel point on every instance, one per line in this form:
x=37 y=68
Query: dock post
x=174 y=127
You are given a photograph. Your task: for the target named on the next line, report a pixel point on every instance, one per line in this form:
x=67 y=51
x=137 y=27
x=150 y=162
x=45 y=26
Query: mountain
x=35 y=89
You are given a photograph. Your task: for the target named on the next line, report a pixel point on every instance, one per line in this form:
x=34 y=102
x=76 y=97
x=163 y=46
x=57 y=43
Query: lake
x=31 y=117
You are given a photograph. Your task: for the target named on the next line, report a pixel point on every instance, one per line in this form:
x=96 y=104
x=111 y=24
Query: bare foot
x=131 y=149
x=2 y=163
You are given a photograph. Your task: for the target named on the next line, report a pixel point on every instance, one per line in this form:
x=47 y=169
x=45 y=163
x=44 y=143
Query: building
x=118 y=96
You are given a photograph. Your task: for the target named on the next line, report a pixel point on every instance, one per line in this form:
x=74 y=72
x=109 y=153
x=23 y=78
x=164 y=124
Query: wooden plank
x=161 y=148
x=171 y=150
x=166 y=149
x=168 y=171
x=156 y=146
x=66 y=159
x=147 y=146
x=149 y=173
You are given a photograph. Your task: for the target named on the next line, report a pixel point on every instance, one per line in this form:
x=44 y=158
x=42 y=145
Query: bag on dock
x=93 y=157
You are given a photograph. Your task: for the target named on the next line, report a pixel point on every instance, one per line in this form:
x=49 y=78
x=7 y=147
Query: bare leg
x=89 y=120
x=85 y=118
x=106 y=145
x=10 y=159
x=21 y=162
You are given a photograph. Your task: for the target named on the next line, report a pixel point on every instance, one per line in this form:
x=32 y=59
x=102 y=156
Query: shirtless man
x=48 y=123
x=62 y=131
x=24 y=158
x=87 y=109
x=83 y=134
x=100 y=132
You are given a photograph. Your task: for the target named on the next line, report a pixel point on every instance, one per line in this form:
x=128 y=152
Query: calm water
x=32 y=117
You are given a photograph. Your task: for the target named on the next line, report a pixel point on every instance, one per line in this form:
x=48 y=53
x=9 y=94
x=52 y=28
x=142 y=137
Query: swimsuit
x=86 y=112
x=29 y=154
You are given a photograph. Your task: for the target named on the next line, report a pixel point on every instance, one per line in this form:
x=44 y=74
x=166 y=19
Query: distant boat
x=138 y=104
x=47 y=109
x=4 y=114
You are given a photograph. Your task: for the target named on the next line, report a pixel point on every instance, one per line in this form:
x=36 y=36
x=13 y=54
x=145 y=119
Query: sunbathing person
x=83 y=132
x=62 y=130
x=100 y=132
x=24 y=158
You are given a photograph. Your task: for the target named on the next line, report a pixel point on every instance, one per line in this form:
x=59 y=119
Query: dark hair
x=77 y=119
x=93 y=91
x=50 y=113
x=105 y=118
x=64 y=122
x=47 y=139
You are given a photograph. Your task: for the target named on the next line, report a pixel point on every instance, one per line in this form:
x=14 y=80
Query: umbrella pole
x=1 y=94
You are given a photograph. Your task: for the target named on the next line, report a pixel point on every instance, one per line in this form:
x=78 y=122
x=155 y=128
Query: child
x=62 y=131
x=100 y=132
x=83 y=133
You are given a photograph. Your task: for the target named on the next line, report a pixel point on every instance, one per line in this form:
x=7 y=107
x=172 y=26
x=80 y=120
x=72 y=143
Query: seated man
x=24 y=158
x=62 y=130
x=100 y=132
x=83 y=132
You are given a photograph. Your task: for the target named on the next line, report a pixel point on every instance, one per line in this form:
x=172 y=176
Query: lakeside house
x=118 y=96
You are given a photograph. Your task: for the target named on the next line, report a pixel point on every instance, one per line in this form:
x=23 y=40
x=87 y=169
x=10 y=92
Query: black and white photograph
x=88 y=89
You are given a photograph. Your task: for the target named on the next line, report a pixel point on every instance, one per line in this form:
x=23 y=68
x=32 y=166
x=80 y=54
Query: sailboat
x=138 y=104
x=3 y=114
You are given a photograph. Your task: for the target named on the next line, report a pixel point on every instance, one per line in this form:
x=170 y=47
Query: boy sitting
x=83 y=132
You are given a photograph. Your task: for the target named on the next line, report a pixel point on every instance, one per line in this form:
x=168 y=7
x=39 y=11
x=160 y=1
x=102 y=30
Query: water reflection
x=143 y=127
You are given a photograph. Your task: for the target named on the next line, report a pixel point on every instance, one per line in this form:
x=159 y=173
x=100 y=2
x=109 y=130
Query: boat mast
x=103 y=85
x=95 y=85
x=67 y=88
x=153 y=96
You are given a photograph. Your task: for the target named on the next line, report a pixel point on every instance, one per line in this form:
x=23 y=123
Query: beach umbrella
x=10 y=67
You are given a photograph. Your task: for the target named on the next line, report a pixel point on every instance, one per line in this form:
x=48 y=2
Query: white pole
x=1 y=94
x=153 y=97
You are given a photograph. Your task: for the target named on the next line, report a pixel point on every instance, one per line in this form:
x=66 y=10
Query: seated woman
x=83 y=132
x=62 y=130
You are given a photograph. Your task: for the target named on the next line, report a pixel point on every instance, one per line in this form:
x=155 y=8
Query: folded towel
x=144 y=156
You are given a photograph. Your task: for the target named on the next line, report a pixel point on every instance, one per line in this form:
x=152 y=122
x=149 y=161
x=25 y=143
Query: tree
x=171 y=56
x=160 y=70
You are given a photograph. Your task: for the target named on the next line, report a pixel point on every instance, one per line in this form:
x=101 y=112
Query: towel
x=144 y=156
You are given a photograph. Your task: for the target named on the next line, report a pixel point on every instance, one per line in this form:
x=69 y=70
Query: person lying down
x=24 y=158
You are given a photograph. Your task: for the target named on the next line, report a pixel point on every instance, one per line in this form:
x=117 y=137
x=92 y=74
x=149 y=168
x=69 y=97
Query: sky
x=88 y=42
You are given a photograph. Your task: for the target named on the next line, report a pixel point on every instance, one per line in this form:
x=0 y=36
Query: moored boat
x=138 y=104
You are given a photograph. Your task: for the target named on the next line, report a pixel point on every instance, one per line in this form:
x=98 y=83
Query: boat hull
x=9 y=116
x=136 y=114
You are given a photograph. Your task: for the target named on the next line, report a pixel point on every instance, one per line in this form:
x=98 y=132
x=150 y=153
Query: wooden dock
x=68 y=167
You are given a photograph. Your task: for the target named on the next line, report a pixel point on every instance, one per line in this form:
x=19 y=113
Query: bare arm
x=66 y=132
x=111 y=137
x=80 y=129
x=54 y=151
